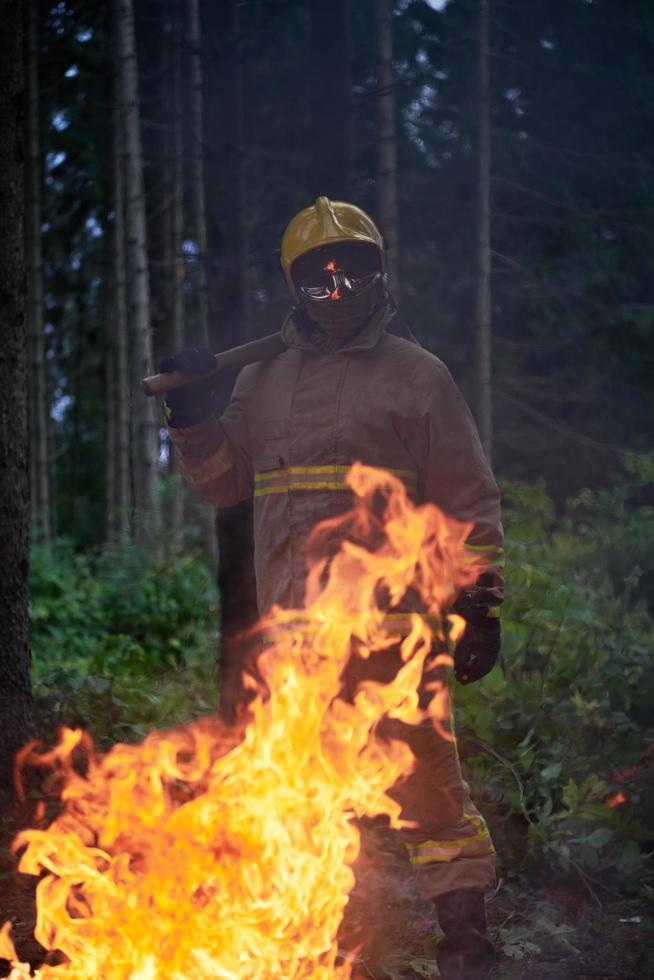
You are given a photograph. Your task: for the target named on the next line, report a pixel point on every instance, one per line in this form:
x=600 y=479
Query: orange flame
x=625 y=775
x=331 y=267
x=173 y=859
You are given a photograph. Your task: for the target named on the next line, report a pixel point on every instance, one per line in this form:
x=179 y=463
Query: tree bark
x=15 y=690
x=197 y=158
x=39 y=409
x=387 y=142
x=482 y=364
x=204 y=516
x=145 y=420
x=177 y=233
x=119 y=515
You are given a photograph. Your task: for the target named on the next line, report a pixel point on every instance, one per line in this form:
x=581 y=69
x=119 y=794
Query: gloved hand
x=477 y=650
x=194 y=402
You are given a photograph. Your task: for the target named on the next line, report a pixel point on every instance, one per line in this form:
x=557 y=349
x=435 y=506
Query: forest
x=153 y=153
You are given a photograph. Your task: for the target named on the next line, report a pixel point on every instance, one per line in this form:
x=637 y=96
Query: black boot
x=466 y=951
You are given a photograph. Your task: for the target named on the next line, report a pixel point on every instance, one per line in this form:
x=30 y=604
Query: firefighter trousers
x=449 y=845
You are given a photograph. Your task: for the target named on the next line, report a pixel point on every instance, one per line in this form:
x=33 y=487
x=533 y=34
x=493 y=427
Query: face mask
x=339 y=285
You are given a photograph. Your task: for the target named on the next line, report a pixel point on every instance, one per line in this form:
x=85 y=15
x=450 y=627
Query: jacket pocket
x=270 y=444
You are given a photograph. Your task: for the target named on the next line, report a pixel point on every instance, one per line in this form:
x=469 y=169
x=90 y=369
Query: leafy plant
x=547 y=737
x=122 y=641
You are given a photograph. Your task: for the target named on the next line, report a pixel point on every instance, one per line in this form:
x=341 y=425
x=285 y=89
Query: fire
x=175 y=859
x=625 y=775
x=332 y=267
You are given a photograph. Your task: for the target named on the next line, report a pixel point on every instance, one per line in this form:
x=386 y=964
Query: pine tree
x=482 y=372
x=145 y=424
x=197 y=171
x=387 y=142
x=119 y=496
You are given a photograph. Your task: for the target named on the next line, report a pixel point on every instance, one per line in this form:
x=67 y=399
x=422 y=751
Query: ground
x=553 y=931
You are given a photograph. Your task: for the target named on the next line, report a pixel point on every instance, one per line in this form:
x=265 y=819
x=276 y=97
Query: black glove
x=477 y=651
x=191 y=403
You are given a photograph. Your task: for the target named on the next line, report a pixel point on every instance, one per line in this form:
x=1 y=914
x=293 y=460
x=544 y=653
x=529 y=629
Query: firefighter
x=348 y=388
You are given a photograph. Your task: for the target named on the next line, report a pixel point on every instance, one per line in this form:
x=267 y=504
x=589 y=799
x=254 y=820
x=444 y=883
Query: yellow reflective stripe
x=297 y=485
x=402 y=621
x=262 y=491
x=281 y=481
x=305 y=470
x=448 y=850
x=316 y=485
x=419 y=847
x=478 y=844
x=436 y=856
x=318 y=471
x=494 y=553
x=392 y=622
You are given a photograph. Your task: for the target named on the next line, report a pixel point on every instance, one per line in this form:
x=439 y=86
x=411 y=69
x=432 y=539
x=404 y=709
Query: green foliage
x=122 y=641
x=548 y=736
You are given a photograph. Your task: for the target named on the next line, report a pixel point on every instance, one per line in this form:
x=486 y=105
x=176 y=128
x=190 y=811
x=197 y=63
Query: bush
x=122 y=641
x=549 y=742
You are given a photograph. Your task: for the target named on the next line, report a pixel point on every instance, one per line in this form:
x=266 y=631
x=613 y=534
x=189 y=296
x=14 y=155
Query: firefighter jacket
x=296 y=423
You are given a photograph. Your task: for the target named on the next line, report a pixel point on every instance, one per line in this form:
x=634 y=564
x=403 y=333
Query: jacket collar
x=297 y=336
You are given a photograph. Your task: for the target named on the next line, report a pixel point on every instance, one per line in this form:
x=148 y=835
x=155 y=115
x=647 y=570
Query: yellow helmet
x=327 y=222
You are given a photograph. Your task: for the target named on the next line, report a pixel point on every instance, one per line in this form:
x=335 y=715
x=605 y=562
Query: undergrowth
x=123 y=642
x=557 y=742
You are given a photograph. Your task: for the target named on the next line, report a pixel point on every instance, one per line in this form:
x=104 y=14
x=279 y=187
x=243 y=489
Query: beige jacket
x=296 y=423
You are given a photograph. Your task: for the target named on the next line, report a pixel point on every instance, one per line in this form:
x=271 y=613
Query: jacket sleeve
x=215 y=455
x=456 y=476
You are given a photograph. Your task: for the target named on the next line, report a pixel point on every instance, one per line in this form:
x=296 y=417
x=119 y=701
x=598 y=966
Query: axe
x=236 y=357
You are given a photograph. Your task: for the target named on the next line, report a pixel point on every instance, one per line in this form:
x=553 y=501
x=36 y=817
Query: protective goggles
x=344 y=270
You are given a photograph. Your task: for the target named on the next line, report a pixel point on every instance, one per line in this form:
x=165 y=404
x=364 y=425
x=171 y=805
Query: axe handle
x=236 y=357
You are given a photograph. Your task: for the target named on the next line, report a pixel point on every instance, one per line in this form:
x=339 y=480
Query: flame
x=177 y=859
x=618 y=798
x=332 y=267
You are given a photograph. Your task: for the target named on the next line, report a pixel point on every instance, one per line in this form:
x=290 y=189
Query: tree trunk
x=197 y=172
x=15 y=690
x=40 y=468
x=77 y=369
x=119 y=500
x=110 y=432
x=178 y=330
x=145 y=420
x=204 y=515
x=482 y=365
x=387 y=145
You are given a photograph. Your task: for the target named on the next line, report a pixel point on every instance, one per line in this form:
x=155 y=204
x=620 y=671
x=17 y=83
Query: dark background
x=289 y=113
